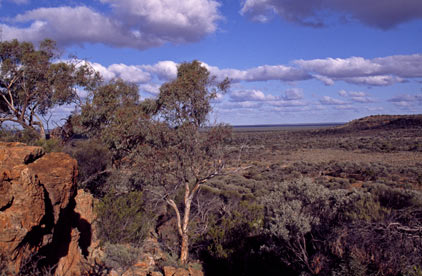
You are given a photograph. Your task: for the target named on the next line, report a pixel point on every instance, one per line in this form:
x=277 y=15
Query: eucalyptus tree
x=33 y=81
x=166 y=140
x=189 y=152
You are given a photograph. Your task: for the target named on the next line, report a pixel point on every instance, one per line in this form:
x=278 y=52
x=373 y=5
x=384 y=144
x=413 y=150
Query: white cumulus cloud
x=165 y=70
x=130 y=73
x=250 y=95
x=358 y=70
x=260 y=73
x=137 y=24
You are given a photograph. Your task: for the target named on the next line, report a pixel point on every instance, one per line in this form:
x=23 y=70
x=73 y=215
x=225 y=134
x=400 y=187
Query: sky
x=290 y=61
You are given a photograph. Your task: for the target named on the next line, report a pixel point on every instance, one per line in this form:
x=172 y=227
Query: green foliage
x=123 y=219
x=293 y=209
x=296 y=213
x=32 y=82
x=113 y=114
x=366 y=208
x=26 y=136
x=50 y=145
x=93 y=163
x=187 y=99
x=120 y=255
x=228 y=233
x=415 y=270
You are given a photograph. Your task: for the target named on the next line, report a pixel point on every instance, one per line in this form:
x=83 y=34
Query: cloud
x=343 y=93
x=276 y=72
x=374 y=80
x=104 y=71
x=68 y=25
x=404 y=66
x=358 y=70
x=165 y=70
x=337 y=68
x=356 y=96
x=383 y=15
x=139 y=24
x=375 y=108
x=345 y=107
x=130 y=73
x=288 y=103
x=326 y=100
x=240 y=105
x=245 y=99
x=293 y=94
x=407 y=100
x=260 y=73
x=19 y=2
x=177 y=21
x=151 y=88
x=382 y=71
x=250 y=95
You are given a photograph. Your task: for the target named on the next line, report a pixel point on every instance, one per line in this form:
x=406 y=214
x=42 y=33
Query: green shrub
x=26 y=136
x=49 y=145
x=120 y=256
x=123 y=218
x=228 y=233
x=93 y=159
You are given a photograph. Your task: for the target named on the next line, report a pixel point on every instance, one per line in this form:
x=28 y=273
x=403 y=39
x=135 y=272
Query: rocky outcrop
x=173 y=271
x=84 y=251
x=40 y=214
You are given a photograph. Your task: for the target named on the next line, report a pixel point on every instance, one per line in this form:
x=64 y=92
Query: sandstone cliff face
x=38 y=210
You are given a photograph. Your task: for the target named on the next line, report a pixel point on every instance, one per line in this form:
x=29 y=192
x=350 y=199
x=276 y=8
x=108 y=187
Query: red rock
x=195 y=272
x=37 y=209
x=22 y=204
x=57 y=172
x=169 y=270
x=181 y=272
x=84 y=242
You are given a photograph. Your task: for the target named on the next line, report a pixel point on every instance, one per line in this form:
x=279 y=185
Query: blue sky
x=290 y=61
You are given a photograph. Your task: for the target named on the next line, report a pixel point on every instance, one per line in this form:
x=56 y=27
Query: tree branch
x=93 y=176
x=179 y=222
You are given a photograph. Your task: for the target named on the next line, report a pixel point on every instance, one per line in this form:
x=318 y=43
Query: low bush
x=121 y=256
x=123 y=219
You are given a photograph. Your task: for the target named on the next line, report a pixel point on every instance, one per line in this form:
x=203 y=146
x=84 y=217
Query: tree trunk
x=182 y=225
x=43 y=135
x=184 y=249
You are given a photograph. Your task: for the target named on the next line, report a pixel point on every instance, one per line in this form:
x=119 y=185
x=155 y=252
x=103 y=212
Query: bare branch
x=176 y=210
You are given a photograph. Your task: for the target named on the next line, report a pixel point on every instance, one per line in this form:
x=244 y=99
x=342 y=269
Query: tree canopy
x=33 y=81
x=162 y=139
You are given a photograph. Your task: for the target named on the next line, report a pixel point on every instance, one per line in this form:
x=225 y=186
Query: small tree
x=164 y=141
x=32 y=82
x=182 y=153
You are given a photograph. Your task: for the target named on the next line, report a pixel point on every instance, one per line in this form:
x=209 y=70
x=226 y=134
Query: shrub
x=26 y=136
x=120 y=256
x=93 y=159
x=50 y=145
x=123 y=218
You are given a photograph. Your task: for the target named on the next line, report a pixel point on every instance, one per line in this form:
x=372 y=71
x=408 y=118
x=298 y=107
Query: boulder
x=40 y=214
x=84 y=248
